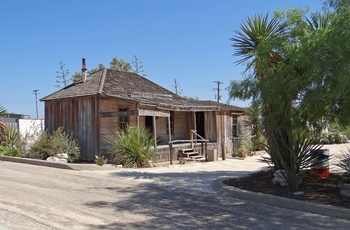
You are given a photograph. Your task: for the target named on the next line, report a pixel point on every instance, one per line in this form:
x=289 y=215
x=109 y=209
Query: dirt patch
x=317 y=190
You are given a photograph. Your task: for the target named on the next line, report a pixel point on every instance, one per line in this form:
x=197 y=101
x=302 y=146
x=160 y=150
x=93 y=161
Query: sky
x=186 y=40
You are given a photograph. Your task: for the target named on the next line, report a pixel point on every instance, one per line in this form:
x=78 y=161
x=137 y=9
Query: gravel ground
x=177 y=197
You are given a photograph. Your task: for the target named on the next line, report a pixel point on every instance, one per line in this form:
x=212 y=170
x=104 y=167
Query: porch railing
x=194 y=142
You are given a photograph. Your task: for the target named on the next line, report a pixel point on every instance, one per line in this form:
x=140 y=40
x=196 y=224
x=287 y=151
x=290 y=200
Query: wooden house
x=109 y=99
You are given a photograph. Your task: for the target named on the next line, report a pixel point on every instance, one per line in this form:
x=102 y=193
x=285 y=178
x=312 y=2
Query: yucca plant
x=2 y=131
x=298 y=157
x=11 y=141
x=10 y=137
x=133 y=147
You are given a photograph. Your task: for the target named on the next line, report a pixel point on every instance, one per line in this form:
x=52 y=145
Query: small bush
x=344 y=163
x=10 y=150
x=11 y=143
x=333 y=138
x=48 y=145
x=132 y=147
x=241 y=152
x=100 y=160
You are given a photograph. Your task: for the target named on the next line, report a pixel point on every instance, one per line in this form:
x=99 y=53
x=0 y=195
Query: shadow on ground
x=184 y=200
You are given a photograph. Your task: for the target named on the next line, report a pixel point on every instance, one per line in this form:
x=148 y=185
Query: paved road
x=36 y=197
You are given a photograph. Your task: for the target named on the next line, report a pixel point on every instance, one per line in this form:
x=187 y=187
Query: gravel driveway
x=37 y=197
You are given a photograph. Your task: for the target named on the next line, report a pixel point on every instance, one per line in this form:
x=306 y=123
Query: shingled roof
x=223 y=107
x=131 y=87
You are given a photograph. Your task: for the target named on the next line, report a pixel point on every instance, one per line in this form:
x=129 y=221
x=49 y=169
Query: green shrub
x=11 y=143
x=132 y=147
x=48 y=145
x=100 y=160
x=297 y=157
x=324 y=140
x=344 y=163
x=241 y=152
x=10 y=137
x=10 y=150
x=337 y=138
x=333 y=138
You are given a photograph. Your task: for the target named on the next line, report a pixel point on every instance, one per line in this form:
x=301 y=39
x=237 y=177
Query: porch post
x=155 y=131
x=169 y=128
x=170 y=143
x=137 y=116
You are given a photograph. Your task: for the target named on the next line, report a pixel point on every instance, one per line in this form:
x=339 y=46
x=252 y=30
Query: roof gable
x=79 y=89
x=128 y=86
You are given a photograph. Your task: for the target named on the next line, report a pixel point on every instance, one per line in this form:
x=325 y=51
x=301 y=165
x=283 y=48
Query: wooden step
x=188 y=154
x=197 y=157
x=186 y=150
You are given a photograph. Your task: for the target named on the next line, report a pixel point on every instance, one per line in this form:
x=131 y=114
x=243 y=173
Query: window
x=171 y=123
x=123 y=120
x=234 y=126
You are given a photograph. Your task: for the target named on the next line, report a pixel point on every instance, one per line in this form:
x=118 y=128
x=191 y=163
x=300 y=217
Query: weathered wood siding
x=224 y=123
x=79 y=115
x=210 y=126
x=108 y=125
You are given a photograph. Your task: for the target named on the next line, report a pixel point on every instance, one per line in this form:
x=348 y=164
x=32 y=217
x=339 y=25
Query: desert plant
x=344 y=163
x=2 y=129
x=133 y=147
x=10 y=150
x=333 y=138
x=298 y=156
x=12 y=142
x=242 y=151
x=100 y=160
x=59 y=141
x=10 y=137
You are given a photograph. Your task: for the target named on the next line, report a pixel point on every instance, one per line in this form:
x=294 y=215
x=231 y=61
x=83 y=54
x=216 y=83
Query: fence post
x=206 y=150
x=171 y=153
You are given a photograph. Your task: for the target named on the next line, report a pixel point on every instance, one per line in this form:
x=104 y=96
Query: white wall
x=30 y=127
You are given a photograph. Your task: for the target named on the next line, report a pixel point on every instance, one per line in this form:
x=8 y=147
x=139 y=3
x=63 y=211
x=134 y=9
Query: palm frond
x=254 y=31
x=317 y=21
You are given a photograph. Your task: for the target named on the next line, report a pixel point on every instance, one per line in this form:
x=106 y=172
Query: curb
x=35 y=162
x=69 y=166
x=327 y=210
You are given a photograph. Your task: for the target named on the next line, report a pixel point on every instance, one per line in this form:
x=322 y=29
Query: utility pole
x=35 y=92
x=218 y=97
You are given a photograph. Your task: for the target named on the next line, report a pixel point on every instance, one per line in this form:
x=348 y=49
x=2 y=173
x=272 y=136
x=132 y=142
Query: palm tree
x=254 y=32
x=253 y=44
x=267 y=47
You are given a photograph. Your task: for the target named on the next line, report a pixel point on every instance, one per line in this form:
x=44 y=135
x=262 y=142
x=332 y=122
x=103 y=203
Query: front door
x=149 y=123
x=200 y=123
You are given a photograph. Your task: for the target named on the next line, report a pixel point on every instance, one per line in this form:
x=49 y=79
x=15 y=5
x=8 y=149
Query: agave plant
x=132 y=147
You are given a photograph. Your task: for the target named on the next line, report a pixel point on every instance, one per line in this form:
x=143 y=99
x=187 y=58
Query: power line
x=15 y=102
x=217 y=96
